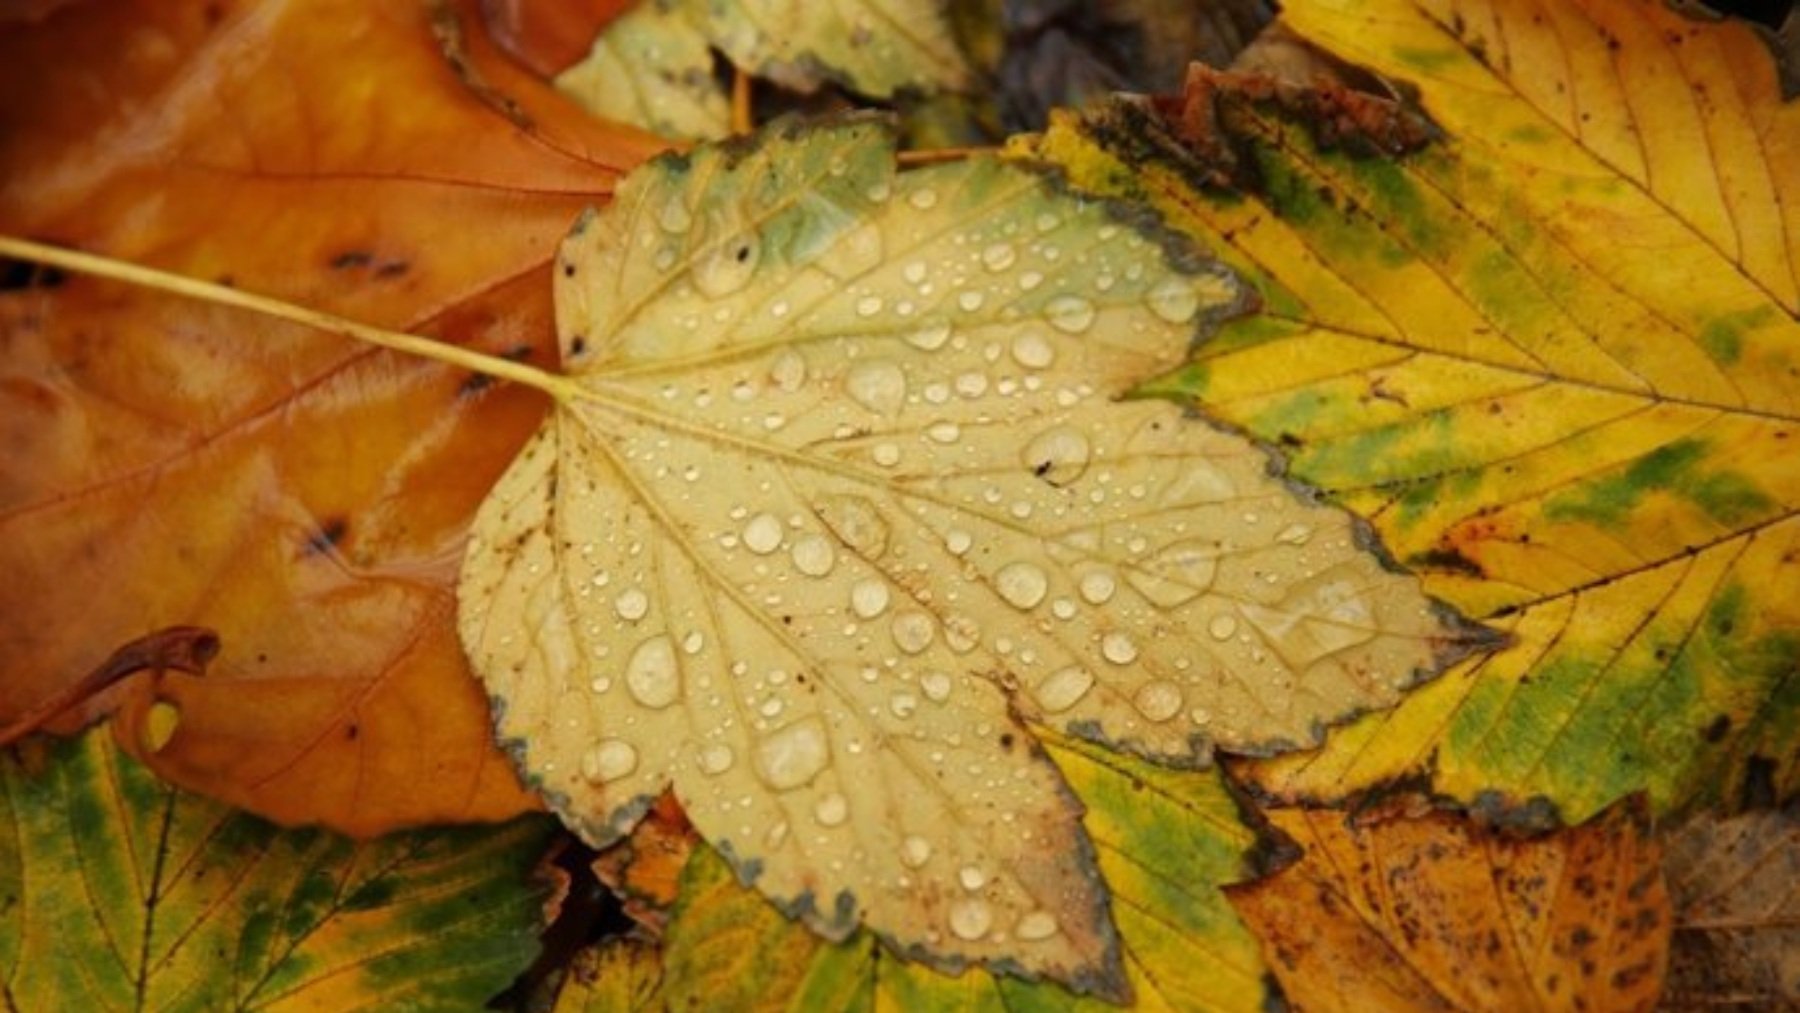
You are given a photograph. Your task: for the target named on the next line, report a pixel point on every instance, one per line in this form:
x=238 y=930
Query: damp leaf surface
x=842 y=493
x=124 y=893
x=1551 y=357
x=1435 y=913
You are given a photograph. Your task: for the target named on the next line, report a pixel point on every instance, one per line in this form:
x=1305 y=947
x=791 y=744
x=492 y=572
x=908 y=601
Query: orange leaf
x=644 y=869
x=549 y=35
x=306 y=497
x=1436 y=913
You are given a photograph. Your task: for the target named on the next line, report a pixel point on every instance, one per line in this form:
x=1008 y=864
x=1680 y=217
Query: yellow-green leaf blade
x=1167 y=841
x=852 y=489
x=876 y=47
x=128 y=894
x=652 y=68
x=1550 y=391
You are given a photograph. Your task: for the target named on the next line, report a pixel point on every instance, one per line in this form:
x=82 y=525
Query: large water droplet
x=1118 y=648
x=936 y=686
x=857 y=522
x=962 y=633
x=1058 y=455
x=763 y=534
x=609 y=760
x=832 y=810
x=1222 y=627
x=675 y=216
x=653 y=675
x=1158 y=701
x=915 y=851
x=1069 y=313
x=970 y=919
x=792 y=756
x=788 y=371
x=930 y=336
x=1022 y=584
x=1097 y=586
x=999 y=256
x=632 y=605
x=869 y=598
x=813 y=555
x=971 y=877
x=716 y=759
x=878 y=385
x=1033 y=351
x=1178 y=573
x=1063 y=689
x=1035 y=926
x=1174 y=299
x=924 y=198
x=913 y=631
x=728 y=266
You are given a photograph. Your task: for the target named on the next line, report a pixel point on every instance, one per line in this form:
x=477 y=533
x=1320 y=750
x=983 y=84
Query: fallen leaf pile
x=1400 y=417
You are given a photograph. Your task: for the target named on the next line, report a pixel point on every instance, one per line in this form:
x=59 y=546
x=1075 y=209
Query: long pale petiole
x=222 y=295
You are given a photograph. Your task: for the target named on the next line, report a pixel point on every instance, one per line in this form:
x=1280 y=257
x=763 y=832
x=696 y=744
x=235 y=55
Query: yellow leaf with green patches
x=843 y=487
x=652 y=68
x=1166 y=840
x=1553 y=356
x=656 y=58
x=120 y=892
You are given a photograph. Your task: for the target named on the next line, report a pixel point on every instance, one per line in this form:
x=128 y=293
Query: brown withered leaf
x=1735 y=884
x=173 y=463
x=1436 y=913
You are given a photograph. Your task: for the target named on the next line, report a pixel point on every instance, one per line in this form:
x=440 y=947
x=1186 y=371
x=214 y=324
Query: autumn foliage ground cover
x=1496 y=324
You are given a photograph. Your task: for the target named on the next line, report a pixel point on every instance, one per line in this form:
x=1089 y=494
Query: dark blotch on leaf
x=20 y=274
x=1719 y=728
x=1759 y=784
x=330 y=534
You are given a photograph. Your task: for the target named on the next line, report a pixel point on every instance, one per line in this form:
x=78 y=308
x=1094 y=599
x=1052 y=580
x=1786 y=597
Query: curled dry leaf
x=842 y=492
x=171 y=462
x=1436 y=913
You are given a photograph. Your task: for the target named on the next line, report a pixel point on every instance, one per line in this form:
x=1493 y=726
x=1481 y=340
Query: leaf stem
x=558 y=387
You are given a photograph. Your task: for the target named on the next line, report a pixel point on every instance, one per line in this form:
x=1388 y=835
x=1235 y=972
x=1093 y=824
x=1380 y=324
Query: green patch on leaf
x=1678 y=469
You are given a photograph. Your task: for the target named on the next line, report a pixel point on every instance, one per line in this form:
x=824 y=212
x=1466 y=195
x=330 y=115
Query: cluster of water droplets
x=890 y=448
